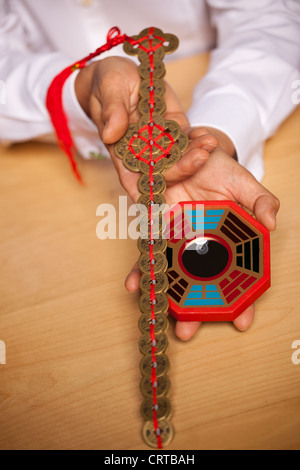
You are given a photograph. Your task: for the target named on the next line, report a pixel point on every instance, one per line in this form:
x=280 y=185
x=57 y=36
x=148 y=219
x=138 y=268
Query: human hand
x=108 y=92
x=221 y=178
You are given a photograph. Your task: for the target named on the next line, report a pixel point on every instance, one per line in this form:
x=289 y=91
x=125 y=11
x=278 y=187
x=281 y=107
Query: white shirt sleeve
x=25 y=78
x=247 y=91
x=27 y=68
x=25 y=75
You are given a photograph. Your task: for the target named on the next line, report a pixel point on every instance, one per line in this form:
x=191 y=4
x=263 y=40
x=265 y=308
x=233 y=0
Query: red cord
x=60 y=123
x=150 y=143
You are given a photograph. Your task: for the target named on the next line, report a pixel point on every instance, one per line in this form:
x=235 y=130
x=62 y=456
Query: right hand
x=108 y=92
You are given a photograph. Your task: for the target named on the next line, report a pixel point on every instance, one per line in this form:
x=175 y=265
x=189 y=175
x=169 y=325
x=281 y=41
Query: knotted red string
x=54 y=101
x=60 y=122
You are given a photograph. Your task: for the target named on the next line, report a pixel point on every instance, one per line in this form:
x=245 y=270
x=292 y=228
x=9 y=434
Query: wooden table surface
x=71 y=379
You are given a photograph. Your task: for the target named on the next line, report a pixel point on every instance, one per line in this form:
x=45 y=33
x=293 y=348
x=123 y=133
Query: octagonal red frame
x=210 y=314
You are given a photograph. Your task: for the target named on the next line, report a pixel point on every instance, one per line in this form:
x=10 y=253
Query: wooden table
x=72 y=375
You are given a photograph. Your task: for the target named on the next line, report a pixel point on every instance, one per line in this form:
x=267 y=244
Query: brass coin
x=149 y=44
x=123 y=144
x=131 y=49
x=120 y=148
x=158 y=184
x=150 y=142
x=152 y=229
x=158 y=167
x=165 y=429
x=173 y=157
x=158 y=245
x=182 y=141
x=172 y=128
x=157 y=121
x=131 y=132
x=162 y=388
x=145 y=107
x=147 y=134
x=160 y=343
x=146 y=70
x=159 y=202
x=146 y=322
x=155 y=85
x=150 y=151
x=160 y=263
x=144 y=209
x=161 y=283
x=163 y=408
x=131 y=162
x=157 y=53
x=151 y=34
x=161 y=304
x=171 y=43
x=162 y=365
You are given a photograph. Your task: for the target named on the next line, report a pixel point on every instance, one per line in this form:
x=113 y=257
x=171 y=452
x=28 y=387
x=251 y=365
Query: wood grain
x=72 y=380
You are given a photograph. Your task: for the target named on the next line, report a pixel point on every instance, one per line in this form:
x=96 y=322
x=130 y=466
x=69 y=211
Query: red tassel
x=54 y=101
x=59 y=120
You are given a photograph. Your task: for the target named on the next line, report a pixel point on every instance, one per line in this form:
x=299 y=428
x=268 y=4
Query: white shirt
x=247 y=92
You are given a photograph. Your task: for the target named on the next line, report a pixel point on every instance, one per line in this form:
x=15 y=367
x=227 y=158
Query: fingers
x=245 y=189
x=258 y=199
x=194 y=157
x=266 y=208
x=186 y=330
x=115 y=103
x=187 y=165
x=244 y=321
x=132 y=282
x=110 y=117
x=205 y=141
x=115 y=86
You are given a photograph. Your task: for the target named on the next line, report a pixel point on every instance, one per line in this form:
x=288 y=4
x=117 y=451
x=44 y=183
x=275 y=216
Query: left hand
x=221 y=178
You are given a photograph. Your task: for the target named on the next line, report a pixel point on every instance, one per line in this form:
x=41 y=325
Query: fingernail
x=274 y=221
x=198 y=162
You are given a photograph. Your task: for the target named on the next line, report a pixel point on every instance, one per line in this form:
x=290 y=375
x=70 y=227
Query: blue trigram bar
x=198 y=298
x=205 y=222
x=202 y=302
x=215 y=212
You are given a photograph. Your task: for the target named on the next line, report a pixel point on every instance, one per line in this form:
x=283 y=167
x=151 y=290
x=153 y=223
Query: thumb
x=132 y=282
x=265 y=209
x=115 y=104
x=117 y=84
x=250 y=193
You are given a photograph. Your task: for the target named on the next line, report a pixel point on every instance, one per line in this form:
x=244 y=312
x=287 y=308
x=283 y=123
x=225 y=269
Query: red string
x=54 y=101
x=151 y=143
x=60 y=123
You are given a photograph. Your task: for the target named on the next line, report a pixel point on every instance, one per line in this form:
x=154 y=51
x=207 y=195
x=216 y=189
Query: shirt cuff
x=233 y=115
x=84 y=131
